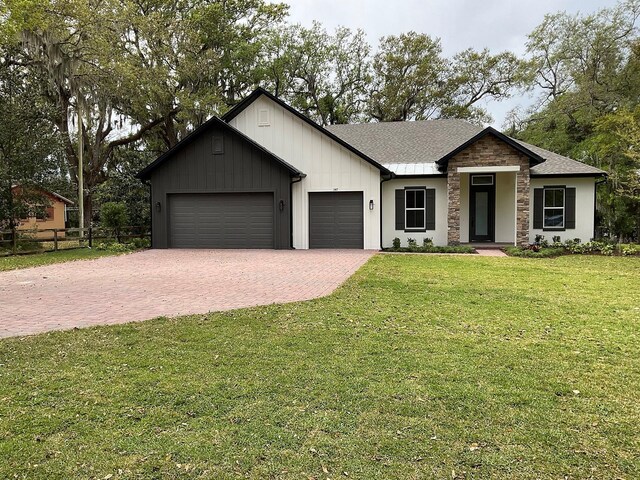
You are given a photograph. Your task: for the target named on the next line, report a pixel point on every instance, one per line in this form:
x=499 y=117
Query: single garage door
x=221 y=220
x=336 y=220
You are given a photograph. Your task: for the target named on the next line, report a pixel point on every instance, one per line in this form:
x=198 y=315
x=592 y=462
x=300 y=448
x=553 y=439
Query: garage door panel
x=336 y=220
x=224 y=220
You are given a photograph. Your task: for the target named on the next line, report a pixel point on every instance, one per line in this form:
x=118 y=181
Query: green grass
x=545 y=252
x=418 y=367
x=47 y=258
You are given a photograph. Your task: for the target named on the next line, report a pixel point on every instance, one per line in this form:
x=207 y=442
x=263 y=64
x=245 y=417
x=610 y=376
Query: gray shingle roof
x=398 y=144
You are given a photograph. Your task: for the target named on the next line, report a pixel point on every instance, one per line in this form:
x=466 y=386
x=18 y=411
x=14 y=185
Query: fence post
x=90 y=237
x=55 y=239
x=14 y=240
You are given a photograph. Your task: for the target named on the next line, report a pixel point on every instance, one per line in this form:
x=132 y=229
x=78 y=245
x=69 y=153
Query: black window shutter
x=570 y=208
x=431 y=209
x=399 y=209
x=538 y=198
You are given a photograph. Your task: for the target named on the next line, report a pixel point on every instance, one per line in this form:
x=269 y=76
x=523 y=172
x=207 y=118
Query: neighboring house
x=53 y=215
x=266 y=176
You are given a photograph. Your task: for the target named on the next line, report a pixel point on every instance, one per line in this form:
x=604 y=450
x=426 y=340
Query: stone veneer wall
x=488 y=151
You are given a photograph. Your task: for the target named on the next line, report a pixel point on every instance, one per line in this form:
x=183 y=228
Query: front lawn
x=418 y=367
x=47 y=258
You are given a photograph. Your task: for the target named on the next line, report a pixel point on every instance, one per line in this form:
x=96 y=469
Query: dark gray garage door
x=336 y=220
x=221 y=220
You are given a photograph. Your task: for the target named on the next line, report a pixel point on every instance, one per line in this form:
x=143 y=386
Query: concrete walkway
x=490 y=252
x=157 y=283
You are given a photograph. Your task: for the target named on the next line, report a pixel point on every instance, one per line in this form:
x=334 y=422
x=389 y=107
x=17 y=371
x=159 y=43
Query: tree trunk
x=88 y=208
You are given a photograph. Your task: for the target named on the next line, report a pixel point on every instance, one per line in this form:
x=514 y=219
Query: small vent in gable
x=217 y=144
x=263 y=117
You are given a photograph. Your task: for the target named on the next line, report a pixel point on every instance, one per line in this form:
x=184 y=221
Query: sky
x=495 y=24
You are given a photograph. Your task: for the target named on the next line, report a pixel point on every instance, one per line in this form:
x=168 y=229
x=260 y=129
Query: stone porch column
x=453 y=211
x=523 y=187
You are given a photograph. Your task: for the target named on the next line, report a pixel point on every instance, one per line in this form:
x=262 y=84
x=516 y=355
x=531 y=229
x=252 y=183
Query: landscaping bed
x=427 y=247
x=541 y=248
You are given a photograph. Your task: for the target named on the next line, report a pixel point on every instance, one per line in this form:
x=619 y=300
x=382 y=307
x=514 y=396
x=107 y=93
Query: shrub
x=556 y=239
x=430 y=248
x=412 y=244
x=427 y=242
x=396 y=243
x=630 y=249
x=114 y=215
x=135 y=244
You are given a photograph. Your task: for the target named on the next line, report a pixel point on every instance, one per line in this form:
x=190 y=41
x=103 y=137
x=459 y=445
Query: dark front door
x=482 y=210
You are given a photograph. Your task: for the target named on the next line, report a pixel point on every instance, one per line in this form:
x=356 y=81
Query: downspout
x=595 y=197
x=295 y=180
x=382 y=180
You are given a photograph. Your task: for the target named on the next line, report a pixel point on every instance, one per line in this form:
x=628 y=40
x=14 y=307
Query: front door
x=482 y=196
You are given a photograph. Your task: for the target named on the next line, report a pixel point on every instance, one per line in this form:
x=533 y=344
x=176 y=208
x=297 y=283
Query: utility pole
x=80 y=172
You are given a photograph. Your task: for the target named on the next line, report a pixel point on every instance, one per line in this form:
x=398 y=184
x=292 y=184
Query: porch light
x=158 y=206
x=281 y=205
x=370 y=204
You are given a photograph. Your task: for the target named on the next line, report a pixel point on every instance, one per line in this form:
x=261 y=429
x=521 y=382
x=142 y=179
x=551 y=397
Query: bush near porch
x=541 y=248
x=418 y=367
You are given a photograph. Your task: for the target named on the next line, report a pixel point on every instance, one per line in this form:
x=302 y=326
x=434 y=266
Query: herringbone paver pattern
x=156 y=283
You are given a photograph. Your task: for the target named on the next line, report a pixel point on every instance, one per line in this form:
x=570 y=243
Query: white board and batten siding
x=328 y=165
x=585 y=198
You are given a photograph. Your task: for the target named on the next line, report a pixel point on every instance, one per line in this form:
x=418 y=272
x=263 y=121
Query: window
x=482 y=180
x=415 y=209
x=553 y=208
x=44 y=213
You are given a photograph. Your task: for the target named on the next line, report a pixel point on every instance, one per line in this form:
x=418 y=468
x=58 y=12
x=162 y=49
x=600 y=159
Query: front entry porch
x=489 y=212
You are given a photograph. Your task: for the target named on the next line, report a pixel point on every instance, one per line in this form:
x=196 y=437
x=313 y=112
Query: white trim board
x=506 y=168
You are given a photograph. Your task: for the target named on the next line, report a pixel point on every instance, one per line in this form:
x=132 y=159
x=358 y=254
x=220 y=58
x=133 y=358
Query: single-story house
x=52 y=215
x=266 y=176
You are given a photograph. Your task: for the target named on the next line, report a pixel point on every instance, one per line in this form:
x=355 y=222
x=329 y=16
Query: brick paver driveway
x=156 y=283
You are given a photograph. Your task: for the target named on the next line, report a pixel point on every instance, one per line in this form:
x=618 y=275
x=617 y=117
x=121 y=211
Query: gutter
x=294 y=180
x=382 y=180
x=595 y=201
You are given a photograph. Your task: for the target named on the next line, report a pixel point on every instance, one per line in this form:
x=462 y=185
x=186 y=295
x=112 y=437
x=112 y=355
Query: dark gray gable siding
x=241 y=167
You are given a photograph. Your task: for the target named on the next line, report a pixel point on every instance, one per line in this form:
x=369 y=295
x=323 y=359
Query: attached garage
x=336 y=220
x=221 y=220
x=219 y=189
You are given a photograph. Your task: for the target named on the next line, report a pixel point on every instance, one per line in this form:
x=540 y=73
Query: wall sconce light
x=370 y=204
x=158 y=206
x=281 y=205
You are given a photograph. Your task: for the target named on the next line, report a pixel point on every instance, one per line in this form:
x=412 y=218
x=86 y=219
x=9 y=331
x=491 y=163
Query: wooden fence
x=23 y=242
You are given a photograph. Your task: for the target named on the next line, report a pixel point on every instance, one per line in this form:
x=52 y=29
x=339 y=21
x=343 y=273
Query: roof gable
x=534 y=158
x=145 y=173
x=237 y=109
x=55 y=196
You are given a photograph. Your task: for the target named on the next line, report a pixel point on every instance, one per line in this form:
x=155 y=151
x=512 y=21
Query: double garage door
x=246 y=220
x=221 y=220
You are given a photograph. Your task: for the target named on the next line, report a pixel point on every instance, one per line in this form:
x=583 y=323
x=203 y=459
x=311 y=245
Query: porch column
x=453 y=213
x=522 y=206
